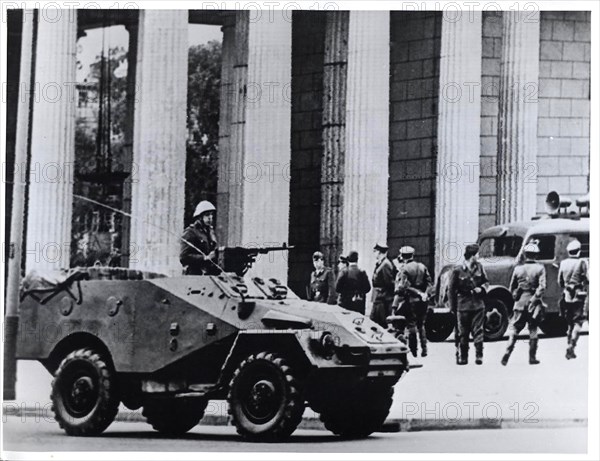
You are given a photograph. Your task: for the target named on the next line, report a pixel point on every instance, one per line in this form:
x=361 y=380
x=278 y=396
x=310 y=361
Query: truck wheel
x=84 y=397
x=439 y=327
x=174 y=416
x=496 y=319
x=359 y=412
x=554 y=326
x=265 y=401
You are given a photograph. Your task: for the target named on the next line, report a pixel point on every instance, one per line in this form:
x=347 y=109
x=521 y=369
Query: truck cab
x=501 y=250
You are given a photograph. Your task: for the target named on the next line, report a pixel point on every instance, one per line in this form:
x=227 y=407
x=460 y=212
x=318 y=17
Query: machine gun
x=239 y=259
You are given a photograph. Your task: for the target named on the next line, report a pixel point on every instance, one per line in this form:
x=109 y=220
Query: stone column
x=128 y=139
x=518 y=116
x=266 y=141
x=159 y=141
x=367 y=133
x=231 y=160
x=335 y=69
x=225 y=175
x=52 y=144
x=457 y=200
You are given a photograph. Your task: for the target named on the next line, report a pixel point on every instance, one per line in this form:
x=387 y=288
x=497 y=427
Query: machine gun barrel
x=239 y=259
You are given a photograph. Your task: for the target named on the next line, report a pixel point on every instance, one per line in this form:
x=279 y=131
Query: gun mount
x=239 y=259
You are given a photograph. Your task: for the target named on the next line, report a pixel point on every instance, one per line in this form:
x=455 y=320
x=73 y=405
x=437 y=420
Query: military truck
x=500 y=251
x=169 y=344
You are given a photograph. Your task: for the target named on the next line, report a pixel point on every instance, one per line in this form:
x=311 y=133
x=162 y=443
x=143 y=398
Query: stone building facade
x=337 y=129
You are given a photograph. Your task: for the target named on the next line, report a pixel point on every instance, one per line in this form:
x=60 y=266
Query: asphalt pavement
x=41 y=435
x=439 y=395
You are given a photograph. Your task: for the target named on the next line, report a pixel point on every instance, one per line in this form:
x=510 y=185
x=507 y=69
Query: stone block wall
x=564 y=104
x=490 y=87
x=414 y=89
x=308 y=37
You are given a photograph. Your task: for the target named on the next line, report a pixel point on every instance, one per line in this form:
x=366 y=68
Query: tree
x=204 y=82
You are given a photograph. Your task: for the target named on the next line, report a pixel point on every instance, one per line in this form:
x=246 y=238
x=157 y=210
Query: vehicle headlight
x=327 y=343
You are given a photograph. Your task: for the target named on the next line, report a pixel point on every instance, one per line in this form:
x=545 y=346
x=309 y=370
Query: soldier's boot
x=573 y=343
x=464 y=354
x=479 y=353
x=512 y=339
x=533 y=345
x=423 y=340
x=412 y=342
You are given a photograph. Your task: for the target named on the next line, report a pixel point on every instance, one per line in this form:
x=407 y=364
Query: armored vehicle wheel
x=265 y=401
x=554 y=326
x=439 y=327
x=174 y=416
x=496 y=319
x=358 y=412
x=84 y=397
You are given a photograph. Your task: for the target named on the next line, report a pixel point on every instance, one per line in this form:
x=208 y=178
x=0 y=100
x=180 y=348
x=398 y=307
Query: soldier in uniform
x=467 y=289
x=353 y=285
x=201 y=235
x=527 y=285
x=341 y=266
x=322 y=283
x=572 y=279
x=342 y=263
x=383 y=286
x=412 y=285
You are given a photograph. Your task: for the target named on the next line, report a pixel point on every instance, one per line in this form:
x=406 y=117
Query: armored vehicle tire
x=174 y=416
x=84 y=395
x=358 y=412
x=496 y=319
x=265 y=398
x=554 y=325
x=439 y=327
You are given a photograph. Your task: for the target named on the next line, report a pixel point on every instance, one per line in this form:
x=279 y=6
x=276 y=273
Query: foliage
x=204 y=81
x=201 y=146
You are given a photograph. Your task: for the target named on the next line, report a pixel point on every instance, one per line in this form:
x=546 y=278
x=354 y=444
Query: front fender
x=299 y=346
x=503 y=294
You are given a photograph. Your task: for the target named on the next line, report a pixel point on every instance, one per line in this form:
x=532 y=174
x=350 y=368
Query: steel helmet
x=203 y=207
x=531 y=247
x=574 y=247
x=407 y=250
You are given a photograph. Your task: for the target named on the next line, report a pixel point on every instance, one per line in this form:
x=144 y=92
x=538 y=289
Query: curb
x=391 y=425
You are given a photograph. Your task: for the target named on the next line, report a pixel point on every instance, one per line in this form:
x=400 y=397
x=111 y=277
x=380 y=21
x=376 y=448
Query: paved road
x=43 y=435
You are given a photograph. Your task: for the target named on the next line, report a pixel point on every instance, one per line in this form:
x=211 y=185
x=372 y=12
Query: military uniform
x=383 y=291
x=467 y=293
x=572 y=279
x=322 y=286
x=353 y=285
x=203 y=238
x=412 y=283
x=527 y=285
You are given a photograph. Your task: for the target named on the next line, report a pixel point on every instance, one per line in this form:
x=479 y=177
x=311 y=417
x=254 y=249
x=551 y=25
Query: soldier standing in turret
x=572 y=279
x=412 y=284
x=201 y=235
x=527 y=285
x=384 y=277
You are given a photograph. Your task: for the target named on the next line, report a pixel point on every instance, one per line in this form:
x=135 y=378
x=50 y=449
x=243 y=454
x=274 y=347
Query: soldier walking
x=383 y=286
x=572 y=279
x=201 y=235
x=322 y=283
x=467 y=289
x=412 y=285
x=353 y=285
x=527 y=285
